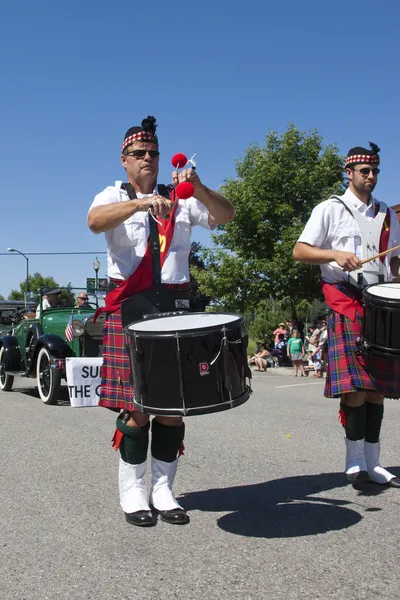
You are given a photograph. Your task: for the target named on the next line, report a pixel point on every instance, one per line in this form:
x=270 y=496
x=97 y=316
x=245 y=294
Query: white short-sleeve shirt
x=127 y=243
x=332 y=227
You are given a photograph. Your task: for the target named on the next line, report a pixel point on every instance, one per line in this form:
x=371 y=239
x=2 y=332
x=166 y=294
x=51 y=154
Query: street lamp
x=96 y=267
x=27 y=274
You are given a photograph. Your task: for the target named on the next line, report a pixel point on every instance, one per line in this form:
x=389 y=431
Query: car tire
x=48 y=379
x=6 y=381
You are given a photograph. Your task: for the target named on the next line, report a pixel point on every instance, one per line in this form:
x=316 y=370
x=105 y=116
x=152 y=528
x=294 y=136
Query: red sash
x=142 y=278
x=344 y=298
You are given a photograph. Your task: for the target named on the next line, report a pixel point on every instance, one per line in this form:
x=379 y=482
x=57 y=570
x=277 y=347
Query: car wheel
x=6 y=381
x=48 y=378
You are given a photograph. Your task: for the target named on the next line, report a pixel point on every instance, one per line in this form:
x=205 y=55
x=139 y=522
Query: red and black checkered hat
x=361 y=156
x=145 y=133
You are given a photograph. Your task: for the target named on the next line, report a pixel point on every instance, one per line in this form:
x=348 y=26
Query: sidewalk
x=280 y=371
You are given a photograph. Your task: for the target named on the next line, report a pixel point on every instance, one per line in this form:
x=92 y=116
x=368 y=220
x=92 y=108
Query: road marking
x=297 y=384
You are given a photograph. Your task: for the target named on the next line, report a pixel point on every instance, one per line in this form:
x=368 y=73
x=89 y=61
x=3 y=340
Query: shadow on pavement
x=63 y=399
x=280 y=508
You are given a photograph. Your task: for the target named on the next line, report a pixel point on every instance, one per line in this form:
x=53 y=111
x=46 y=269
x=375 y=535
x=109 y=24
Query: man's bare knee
x=170 y=421
x=354 y=398
x=375 y=398
x=138 y=419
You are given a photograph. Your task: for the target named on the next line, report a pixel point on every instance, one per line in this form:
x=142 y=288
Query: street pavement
x=271 y=514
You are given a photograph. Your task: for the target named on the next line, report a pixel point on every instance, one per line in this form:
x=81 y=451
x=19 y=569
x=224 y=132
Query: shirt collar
x=356 y=202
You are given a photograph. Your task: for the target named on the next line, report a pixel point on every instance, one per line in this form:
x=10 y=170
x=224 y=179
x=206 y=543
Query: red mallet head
x=184 y=190
x=179 y=160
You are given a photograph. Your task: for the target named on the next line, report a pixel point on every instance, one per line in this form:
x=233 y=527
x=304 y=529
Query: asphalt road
x=271 y=514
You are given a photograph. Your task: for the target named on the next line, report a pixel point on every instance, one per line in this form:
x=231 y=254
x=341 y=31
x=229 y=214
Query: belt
x=114 y=283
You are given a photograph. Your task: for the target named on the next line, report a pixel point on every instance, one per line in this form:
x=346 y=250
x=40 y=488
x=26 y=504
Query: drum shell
x=189 y=372
x=381 y=323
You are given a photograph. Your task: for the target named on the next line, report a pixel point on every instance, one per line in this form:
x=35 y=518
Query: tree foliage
x=36 y=282
x=196 y=262
x=39 y=282
x=275 y=190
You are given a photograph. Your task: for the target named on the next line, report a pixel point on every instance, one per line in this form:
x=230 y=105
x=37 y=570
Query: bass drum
x=189 y=364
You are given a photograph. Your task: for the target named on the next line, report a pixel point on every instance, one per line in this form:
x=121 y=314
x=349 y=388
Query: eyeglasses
x=142 y=153
x=365 y=171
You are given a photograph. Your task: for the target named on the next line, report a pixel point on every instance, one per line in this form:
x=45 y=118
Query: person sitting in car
x=50 y=299
x=82 y=300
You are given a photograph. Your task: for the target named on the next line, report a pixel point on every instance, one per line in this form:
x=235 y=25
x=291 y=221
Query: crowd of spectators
x=291 y=346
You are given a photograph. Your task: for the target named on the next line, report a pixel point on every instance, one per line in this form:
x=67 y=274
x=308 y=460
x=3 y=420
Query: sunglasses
x=142 y=153
x=365 y=171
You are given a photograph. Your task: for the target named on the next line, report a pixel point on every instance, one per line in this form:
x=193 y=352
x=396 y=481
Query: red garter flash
x=117 y=439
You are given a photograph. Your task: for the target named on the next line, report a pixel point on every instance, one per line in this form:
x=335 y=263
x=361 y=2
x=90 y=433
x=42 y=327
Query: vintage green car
x=37 y=347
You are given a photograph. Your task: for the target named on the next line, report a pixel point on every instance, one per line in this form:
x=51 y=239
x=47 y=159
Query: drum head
x=389 y=291
x=188 y=322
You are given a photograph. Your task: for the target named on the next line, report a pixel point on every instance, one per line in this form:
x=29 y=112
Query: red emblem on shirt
x=204 y=368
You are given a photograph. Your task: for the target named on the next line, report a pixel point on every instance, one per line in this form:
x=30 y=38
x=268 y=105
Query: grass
x=252 y=347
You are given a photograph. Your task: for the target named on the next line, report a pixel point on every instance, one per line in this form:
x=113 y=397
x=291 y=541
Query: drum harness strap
x=376 y=271
x=163 y=190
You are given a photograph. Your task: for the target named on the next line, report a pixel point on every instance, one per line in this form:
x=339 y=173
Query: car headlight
x=78 y=327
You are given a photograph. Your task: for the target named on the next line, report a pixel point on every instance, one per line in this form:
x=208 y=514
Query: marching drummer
x=123 y=212
x=341 y=232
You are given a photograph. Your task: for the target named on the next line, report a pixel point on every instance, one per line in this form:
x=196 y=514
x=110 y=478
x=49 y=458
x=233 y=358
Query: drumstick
x=379 y=255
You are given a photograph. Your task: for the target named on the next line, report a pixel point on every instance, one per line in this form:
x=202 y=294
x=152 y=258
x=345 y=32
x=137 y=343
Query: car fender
x=56 y=346
x=12 y=355
x=34 y=333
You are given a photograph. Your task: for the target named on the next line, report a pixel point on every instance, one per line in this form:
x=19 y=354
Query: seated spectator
x=279 y=350
x=50 y=299
x=82 y=300
x=280 y=330
x=260 y=359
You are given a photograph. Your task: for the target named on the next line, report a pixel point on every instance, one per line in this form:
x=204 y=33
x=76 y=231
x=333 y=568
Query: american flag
x=69 y=333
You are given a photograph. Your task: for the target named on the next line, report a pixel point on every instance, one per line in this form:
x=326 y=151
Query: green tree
x=196 y=261
x=36 y=282
x=275 y=190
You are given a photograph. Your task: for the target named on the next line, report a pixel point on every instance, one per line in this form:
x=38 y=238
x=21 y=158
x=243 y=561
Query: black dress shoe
x=359 y=477
x=176 y=516
x=140 y=518
x=395 y=482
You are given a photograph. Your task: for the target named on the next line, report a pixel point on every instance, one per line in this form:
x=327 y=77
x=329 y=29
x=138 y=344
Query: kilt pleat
x=348 y=370
x=116 y=391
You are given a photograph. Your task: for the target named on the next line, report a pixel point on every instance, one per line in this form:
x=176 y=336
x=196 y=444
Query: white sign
x=83 y=380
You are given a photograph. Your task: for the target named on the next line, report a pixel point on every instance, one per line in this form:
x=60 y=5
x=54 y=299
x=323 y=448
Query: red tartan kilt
x=349 y=371
x=116 y=390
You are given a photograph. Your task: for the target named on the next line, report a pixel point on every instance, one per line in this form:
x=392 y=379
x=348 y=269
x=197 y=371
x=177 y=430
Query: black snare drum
x=189 y=364
x=381 y=324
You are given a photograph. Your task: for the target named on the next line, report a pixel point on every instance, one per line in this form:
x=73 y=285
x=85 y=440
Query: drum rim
x=381 y=301
x=196 y=410
x=238 y=322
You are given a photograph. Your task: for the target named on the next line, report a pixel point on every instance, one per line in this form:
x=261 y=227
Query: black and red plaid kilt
x=349 y=371
x=116 y=390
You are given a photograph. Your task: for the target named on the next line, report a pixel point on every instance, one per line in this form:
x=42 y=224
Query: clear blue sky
x=217 y=75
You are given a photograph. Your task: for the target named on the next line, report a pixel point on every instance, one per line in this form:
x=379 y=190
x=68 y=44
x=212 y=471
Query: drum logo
x=204 y=368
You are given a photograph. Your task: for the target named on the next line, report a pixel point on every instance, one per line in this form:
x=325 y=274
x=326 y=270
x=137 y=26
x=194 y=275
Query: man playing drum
x=340 y=232
x=123 y=213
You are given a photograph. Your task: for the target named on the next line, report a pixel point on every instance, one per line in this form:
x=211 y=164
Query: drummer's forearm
x=220 y=209
x=395 y=266
x=109 y=216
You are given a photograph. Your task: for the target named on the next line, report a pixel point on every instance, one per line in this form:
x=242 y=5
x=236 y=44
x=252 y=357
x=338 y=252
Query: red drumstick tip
x=184 y=190
x=179 y=160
